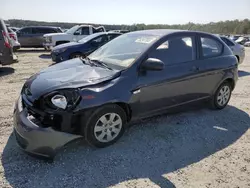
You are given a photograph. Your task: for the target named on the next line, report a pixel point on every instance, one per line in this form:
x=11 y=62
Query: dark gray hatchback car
x=32 y=36
x=136 y=75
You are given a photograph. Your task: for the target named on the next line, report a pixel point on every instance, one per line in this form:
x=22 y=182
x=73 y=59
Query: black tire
x=214 y=101
x=75 y=55
x=88 y=126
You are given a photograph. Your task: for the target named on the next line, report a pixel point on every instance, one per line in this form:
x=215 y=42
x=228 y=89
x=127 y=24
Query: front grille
x=20 y=140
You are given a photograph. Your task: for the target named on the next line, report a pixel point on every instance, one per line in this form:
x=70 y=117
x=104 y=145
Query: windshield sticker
x=146 y=40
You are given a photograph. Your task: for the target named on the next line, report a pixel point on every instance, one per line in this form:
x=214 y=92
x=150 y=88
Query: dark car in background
x=32 y=36
x=6 y=52
x=136 y=75
x=83 y=47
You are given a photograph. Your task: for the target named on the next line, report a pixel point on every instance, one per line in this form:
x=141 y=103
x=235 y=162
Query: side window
x=50 y=30
x=175 y=50
x=85 y=31
x=37 y=30
x=100 y=40
x=112 y=36
x=228 y=42
x=210 y=47
x=25 y=31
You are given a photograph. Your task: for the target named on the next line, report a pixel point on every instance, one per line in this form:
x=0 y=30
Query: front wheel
x=222 y=96
x=105 y=126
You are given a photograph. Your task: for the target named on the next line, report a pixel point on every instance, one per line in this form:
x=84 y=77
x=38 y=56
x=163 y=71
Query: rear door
x=38 y=35
x=25 y=37
x=6 y=54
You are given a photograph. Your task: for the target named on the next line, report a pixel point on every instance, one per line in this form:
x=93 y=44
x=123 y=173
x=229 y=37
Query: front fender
x=113 y=91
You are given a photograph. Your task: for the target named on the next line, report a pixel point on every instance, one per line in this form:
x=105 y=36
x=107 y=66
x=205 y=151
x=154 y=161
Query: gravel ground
x=199 y=148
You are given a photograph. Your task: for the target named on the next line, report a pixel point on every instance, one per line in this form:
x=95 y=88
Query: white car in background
x=13 y=39
x=247 y=44
x=74 y=34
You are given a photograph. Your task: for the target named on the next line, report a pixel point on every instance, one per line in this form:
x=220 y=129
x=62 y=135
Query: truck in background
x=74 y=34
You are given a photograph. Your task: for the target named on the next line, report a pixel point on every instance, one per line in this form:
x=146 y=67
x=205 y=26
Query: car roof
x=105 y=33
x=40 y=27
x=164 y=32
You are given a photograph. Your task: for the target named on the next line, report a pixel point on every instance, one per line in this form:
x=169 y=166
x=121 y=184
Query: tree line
x=222 y=27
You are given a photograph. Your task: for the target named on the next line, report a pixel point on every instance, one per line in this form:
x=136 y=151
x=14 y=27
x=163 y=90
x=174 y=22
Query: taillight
x=6 y=41
x=12 y=36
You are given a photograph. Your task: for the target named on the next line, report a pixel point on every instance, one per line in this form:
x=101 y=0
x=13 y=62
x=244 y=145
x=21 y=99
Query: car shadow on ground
x=45 y=56
x=4 y=71
x=148 y=150
x=243 y=73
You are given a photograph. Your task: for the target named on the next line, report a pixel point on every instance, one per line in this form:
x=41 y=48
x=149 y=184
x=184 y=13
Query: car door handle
x=195 y=69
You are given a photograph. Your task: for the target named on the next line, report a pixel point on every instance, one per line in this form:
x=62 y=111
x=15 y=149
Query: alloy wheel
x=108 y=127
x=223 y=95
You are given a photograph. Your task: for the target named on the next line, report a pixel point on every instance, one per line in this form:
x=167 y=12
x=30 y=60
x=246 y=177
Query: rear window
x=210 y=47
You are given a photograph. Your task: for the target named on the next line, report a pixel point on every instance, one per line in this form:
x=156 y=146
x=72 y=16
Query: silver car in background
x=238 y=50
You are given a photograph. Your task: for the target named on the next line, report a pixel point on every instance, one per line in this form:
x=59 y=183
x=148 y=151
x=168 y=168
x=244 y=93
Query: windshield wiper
x=88 y=60
x=101 y=63
x=96 y=62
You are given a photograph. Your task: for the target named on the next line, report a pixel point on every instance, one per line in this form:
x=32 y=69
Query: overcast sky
x=126 y=11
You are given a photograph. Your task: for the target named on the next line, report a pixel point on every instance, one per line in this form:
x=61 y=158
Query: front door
x=178 y=83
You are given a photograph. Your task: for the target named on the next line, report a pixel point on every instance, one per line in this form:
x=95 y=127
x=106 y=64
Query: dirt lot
x=201 y=148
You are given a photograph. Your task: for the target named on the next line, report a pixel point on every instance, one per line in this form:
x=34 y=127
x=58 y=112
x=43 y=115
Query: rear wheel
x=222 y=96
x=105 y=126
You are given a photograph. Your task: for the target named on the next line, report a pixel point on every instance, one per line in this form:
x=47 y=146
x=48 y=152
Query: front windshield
x=123 y=50
x=72 y=29
x=89 y=37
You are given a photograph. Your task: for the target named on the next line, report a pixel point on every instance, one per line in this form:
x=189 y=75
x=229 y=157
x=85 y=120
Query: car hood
x=68 y=74
x=66 y=45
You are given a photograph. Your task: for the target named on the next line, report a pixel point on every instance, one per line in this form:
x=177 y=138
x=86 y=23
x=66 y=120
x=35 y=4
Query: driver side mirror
x=152 y=64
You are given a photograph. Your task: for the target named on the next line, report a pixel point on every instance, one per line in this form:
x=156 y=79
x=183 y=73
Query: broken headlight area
x=62 y=99
x=55 y=110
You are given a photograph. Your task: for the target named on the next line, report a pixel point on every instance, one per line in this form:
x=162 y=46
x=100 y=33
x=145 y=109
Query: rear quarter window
x=210 y=47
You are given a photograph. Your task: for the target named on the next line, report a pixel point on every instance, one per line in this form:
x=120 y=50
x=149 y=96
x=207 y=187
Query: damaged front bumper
x=35 y=139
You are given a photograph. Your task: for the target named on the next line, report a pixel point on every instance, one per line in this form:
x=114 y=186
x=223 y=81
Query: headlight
x=48 y=39
x=59 y=101
x=63 y=99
